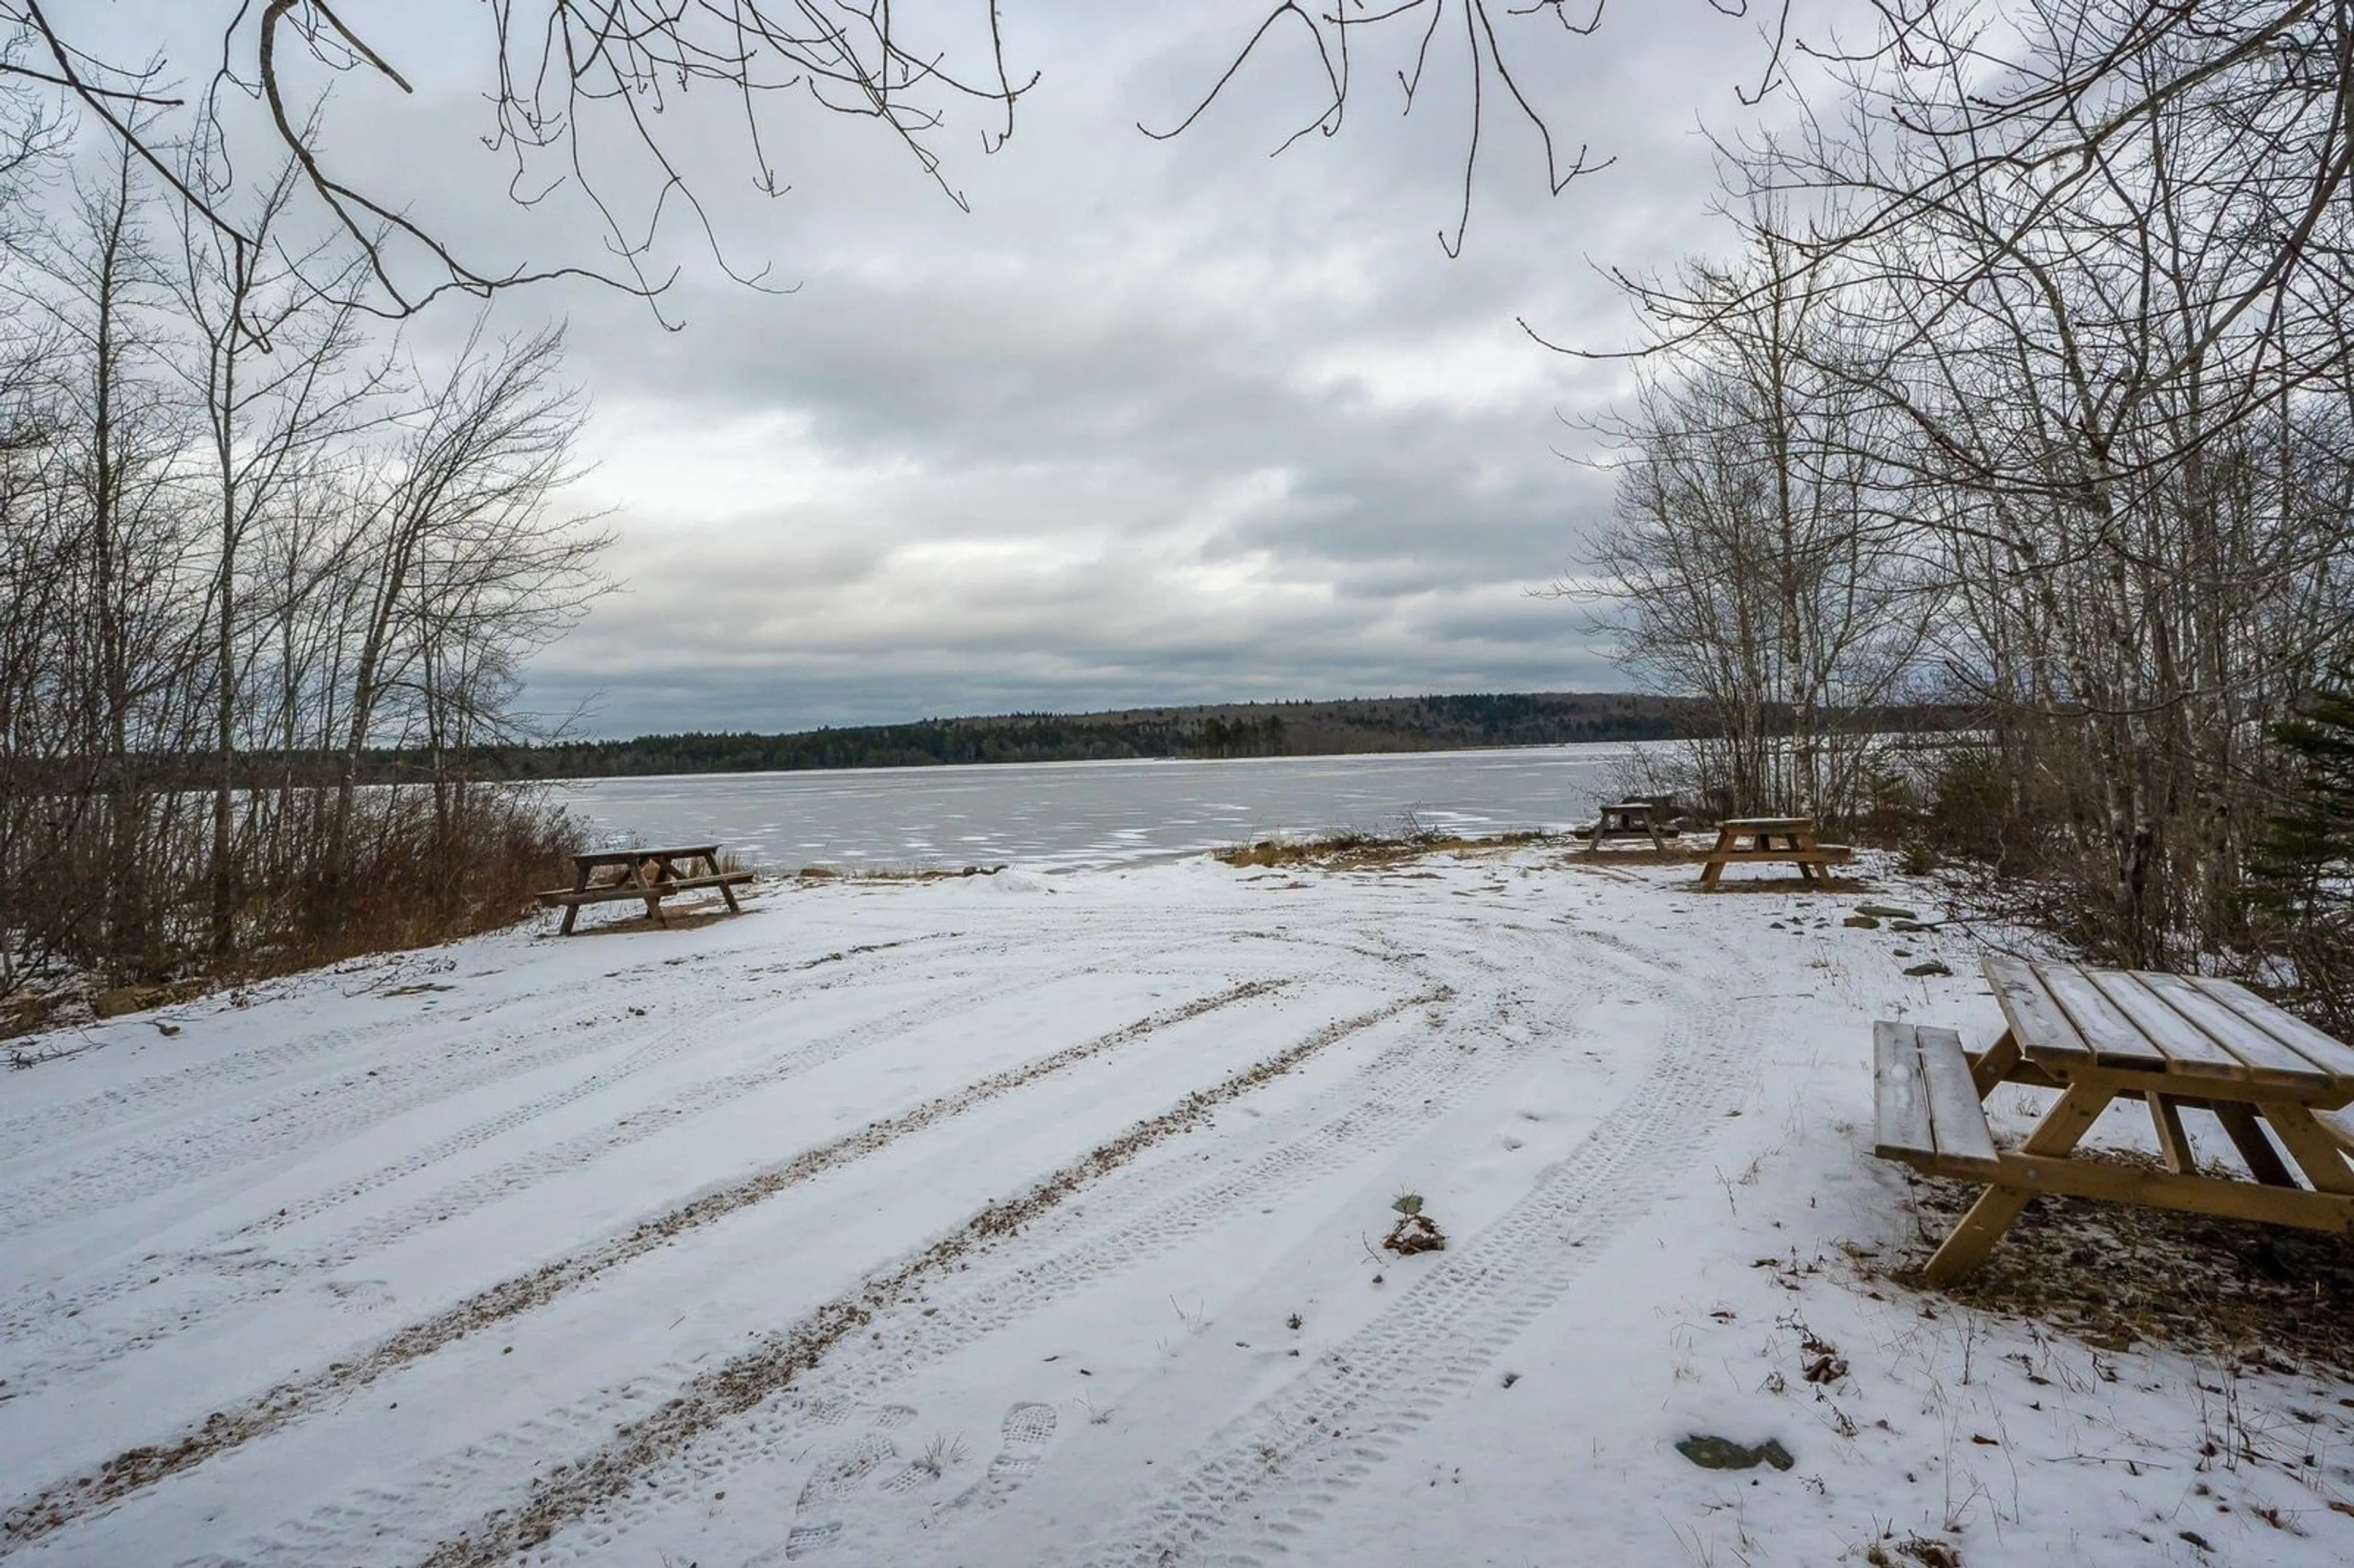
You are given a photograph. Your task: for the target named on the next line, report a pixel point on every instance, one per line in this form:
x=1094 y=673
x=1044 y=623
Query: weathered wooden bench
x=648 y=875
x=1926 y=1110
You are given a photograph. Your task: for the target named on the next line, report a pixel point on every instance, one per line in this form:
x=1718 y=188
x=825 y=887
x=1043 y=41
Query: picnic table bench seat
x=1926 y=1104
x=600 y=893
x=1814 y=855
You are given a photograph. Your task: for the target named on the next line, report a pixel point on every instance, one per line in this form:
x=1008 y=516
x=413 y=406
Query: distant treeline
x=1305 y=728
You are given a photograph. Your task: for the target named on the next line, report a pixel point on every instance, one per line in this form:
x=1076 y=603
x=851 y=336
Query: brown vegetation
x=1350 y=849
x=241 y=546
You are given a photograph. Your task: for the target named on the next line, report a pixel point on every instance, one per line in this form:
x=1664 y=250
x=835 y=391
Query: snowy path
x=994 y=1221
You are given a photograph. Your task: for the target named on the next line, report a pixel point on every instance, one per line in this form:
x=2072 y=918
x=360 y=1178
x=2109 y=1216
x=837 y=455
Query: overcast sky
x=1154 y=422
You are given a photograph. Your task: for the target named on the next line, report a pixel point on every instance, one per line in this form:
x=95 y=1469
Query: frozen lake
x=1063 y=816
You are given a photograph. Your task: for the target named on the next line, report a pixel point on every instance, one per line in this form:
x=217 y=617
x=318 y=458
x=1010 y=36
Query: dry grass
x=1354 y=851
x=928 y=874
x=2115 y=1274
x=411 y=880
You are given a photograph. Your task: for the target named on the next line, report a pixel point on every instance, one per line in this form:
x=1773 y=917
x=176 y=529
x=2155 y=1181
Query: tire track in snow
x=175 y=1087
x=374 y=1520
x=137 y=1469
x=1272 y=1472
x=1145 y=1213
x=225 y=1138
x=564 y=1438
x=749 y=1380
x=248 y=1273
x=244 y=1272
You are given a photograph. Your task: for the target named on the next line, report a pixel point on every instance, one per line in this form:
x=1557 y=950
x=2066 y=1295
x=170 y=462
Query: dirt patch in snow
x=1414 y=1232
x=1368 y=852
x=2115 y=1274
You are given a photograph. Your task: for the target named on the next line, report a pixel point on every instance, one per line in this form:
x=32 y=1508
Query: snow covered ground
x=1018 y=1220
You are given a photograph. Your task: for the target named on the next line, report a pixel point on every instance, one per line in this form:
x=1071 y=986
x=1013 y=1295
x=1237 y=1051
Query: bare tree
x=267 y=356
x=1751 y=560
x=457 y=564
x=124 y=548
x=237 y=554
x=587 y=93
x=583 y=92
x=2089 y=265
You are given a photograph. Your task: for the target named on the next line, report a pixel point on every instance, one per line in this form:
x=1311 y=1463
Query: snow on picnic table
x=1016 y=1220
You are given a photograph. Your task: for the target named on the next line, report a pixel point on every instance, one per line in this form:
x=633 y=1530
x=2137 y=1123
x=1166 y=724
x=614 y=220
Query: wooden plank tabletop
x=2036 y=1020
x=631 y=856
x=1766 y=825
x=2187 y=1049
x=2330 y=1055
x=2071 y=1017
x=2115 y=1040
x=2241 y=1036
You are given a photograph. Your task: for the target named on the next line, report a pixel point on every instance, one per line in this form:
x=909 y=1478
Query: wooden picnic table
x=1746 y=840
x=2179 y=1043
x=1626 y=820
x=651 y=874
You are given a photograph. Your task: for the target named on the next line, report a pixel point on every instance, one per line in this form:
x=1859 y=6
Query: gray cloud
x=1156 y=421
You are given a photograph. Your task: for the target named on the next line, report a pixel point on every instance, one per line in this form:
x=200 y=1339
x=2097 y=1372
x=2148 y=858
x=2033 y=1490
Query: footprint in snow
x=817 y=1515
x=1027 y=1427
x=360 y=1295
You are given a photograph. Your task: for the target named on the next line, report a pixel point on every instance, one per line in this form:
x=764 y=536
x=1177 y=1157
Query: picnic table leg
x=1976 y=1232
x=1993 y=1064
x=2165 y=1117
x=711 y=867
x=572 y=910
x=2248 y=1137
x=1789 y=846
x=2316 y=1153
x=1715 y=868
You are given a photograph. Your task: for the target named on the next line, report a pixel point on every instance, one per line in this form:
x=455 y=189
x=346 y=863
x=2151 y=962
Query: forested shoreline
x=1214 y=731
